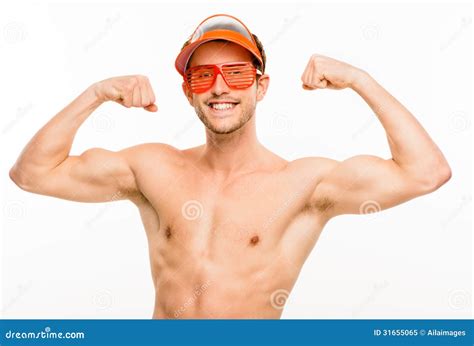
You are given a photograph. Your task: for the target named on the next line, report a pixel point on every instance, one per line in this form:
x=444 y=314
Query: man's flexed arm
x=416 y=167
x=45 y=166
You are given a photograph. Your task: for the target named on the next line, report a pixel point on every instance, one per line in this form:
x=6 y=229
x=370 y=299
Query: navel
x=254 y=240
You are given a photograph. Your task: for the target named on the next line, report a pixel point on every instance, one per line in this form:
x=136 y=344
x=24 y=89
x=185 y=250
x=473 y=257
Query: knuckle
x=129 y=90
x=142 y=79
x=132 y=82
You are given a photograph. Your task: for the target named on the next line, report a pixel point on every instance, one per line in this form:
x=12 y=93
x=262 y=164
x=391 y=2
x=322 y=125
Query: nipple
x=168 y=232
x=254 y=240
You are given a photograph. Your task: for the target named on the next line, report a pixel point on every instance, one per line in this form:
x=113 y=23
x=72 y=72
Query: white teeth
x=222 y=106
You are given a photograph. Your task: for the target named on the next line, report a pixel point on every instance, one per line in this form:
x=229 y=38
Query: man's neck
x=233 y=153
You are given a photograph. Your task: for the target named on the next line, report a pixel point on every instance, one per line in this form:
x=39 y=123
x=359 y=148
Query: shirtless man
x=229 y=223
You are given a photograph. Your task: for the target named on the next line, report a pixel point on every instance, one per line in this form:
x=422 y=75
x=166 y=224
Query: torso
x=225 y=249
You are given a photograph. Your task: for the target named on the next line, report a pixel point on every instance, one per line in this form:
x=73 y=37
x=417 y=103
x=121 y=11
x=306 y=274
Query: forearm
x=411 y=146
x=52 y=143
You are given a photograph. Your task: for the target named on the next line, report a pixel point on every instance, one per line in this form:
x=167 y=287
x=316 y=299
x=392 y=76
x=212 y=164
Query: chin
x=228 y=121
x=223 y=128
x=223 y=122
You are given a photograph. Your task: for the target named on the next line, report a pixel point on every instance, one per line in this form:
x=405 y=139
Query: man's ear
x=262 y=86
x=187 y=93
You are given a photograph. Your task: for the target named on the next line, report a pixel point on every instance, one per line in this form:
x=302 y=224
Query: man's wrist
x=359 y=80
x=93 y=94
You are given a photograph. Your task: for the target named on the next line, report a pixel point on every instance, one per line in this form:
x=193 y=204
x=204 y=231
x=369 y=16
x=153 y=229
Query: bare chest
x=253 y=216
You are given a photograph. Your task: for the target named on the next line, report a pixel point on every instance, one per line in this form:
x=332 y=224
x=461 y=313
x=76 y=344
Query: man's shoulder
x=153 y=154
x=307 y=171
x=315 y=164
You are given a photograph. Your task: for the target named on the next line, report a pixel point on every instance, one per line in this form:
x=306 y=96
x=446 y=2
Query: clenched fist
x=129 y=91
x=323 y=72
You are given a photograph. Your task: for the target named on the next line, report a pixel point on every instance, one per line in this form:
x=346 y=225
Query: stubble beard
x=247 y=112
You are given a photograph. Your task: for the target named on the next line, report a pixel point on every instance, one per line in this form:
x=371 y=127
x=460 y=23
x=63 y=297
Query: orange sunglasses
x=237 y=75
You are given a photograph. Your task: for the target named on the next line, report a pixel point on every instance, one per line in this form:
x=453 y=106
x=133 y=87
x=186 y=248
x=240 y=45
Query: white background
x=63 y=259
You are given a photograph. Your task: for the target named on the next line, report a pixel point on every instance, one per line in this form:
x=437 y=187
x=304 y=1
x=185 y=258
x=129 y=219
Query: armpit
x=319 y=205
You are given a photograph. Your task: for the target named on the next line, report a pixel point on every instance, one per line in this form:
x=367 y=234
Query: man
x=229 y=223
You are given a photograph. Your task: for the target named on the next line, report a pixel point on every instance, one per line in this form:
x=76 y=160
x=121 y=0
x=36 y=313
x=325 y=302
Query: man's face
x=243 y=101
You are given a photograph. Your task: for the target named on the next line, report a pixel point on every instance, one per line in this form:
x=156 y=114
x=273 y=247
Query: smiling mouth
x=222 y=106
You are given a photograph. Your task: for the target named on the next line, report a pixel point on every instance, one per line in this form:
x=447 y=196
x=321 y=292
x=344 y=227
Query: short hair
x=255 y=61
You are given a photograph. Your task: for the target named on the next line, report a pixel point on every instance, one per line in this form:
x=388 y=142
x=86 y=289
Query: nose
x=220 y=86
